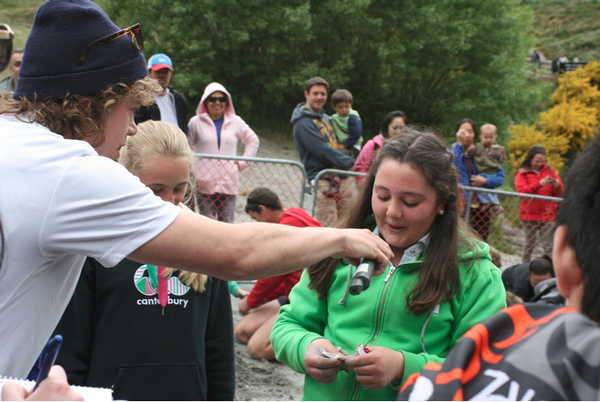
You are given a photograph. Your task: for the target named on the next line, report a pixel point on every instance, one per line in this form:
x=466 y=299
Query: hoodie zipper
x=379 y=314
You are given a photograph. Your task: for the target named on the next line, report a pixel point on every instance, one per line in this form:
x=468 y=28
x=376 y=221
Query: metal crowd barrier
x=327 y=203
x=329 y=199
x=284 y=177
x=499 y=225
x=514 y=238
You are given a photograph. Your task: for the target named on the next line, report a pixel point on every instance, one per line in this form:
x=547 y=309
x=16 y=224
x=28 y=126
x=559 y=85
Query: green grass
x=19 y=16
x=497 y=239
x=571 y=27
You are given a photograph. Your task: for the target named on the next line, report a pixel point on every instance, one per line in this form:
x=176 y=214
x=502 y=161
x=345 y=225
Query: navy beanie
x=62 y=30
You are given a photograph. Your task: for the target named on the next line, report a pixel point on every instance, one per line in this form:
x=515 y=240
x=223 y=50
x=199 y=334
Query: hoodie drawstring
x=343 y=299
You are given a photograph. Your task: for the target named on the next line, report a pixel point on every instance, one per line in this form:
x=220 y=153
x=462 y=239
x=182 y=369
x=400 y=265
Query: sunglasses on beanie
x=134 y=32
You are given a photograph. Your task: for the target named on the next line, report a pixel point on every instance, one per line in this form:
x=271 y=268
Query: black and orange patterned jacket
x=526 y=352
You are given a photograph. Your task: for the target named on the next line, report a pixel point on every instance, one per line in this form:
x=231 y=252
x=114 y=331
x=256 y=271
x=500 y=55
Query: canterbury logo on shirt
x=143 y=284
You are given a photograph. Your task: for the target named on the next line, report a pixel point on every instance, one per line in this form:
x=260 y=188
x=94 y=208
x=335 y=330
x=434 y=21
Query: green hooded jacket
x=378 y=317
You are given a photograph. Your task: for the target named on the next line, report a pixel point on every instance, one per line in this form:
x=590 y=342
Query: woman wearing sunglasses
x=216 y=130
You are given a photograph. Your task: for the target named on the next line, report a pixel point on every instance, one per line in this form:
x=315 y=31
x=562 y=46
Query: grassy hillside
x=571 y=27
x=19 y=16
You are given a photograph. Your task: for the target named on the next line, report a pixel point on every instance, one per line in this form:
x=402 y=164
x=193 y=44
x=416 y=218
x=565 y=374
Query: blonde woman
x=149 y=332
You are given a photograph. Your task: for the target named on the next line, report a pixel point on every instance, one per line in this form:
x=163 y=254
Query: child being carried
x=488 y=156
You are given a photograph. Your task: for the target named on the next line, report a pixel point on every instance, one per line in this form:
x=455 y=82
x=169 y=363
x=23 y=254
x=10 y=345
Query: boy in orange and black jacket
x=536 y=351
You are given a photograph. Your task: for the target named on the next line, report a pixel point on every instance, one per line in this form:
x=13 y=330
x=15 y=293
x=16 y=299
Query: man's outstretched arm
x=254 y=250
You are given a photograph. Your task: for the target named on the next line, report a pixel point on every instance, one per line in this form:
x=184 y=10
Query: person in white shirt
x=64 y=198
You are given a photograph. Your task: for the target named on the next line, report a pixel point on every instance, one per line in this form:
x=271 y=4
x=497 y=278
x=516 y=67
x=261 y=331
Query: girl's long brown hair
x=438 y=274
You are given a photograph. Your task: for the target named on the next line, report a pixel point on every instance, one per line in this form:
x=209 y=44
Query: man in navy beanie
x=64 y=198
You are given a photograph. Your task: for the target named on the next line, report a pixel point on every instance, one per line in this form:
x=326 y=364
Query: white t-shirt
x=60 y=202
x=166 y=105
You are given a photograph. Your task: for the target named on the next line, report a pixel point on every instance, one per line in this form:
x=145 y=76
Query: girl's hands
x=241 y=293
x=322 y=369
x=377 y=368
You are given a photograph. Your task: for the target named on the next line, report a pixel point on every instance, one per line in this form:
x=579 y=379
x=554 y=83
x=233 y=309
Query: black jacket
x=115 y=335
x=516 y=279
x=152 y=112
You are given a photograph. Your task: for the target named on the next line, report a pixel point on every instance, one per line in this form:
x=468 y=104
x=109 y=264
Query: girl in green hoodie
x=439 y=284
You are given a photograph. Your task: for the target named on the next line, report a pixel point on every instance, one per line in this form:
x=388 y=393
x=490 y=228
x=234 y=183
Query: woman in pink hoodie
x=216 y=130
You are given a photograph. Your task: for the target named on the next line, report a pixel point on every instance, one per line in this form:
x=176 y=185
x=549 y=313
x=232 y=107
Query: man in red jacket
x=261 y=306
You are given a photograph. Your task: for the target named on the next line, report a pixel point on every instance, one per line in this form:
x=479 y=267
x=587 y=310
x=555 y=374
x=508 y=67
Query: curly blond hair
x=79 y=117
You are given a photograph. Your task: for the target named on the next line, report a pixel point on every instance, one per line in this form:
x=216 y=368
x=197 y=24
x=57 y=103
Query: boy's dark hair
x=542 y=266
x=341 y=95
x=533 y=151
x=580 y=213
x=471 y=122
x=512 y=299
x=387 y=120
x=263 y=196
x=315 y=81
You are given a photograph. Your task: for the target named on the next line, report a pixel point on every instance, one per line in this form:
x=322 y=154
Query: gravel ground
x=260 y=380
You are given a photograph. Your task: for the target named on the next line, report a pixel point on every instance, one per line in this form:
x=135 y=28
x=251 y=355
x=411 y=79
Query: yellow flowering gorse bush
x=569 y=125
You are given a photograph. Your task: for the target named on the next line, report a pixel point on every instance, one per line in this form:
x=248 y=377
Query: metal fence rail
x=284 y=177
x=327 y=204
x=499 y=225
x=523 y=240
x=334 y=189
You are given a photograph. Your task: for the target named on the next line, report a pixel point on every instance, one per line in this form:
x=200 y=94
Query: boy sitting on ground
x=260 y=308
x=522 y=278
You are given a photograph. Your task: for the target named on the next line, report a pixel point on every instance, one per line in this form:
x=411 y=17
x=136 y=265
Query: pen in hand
x=47 y=359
